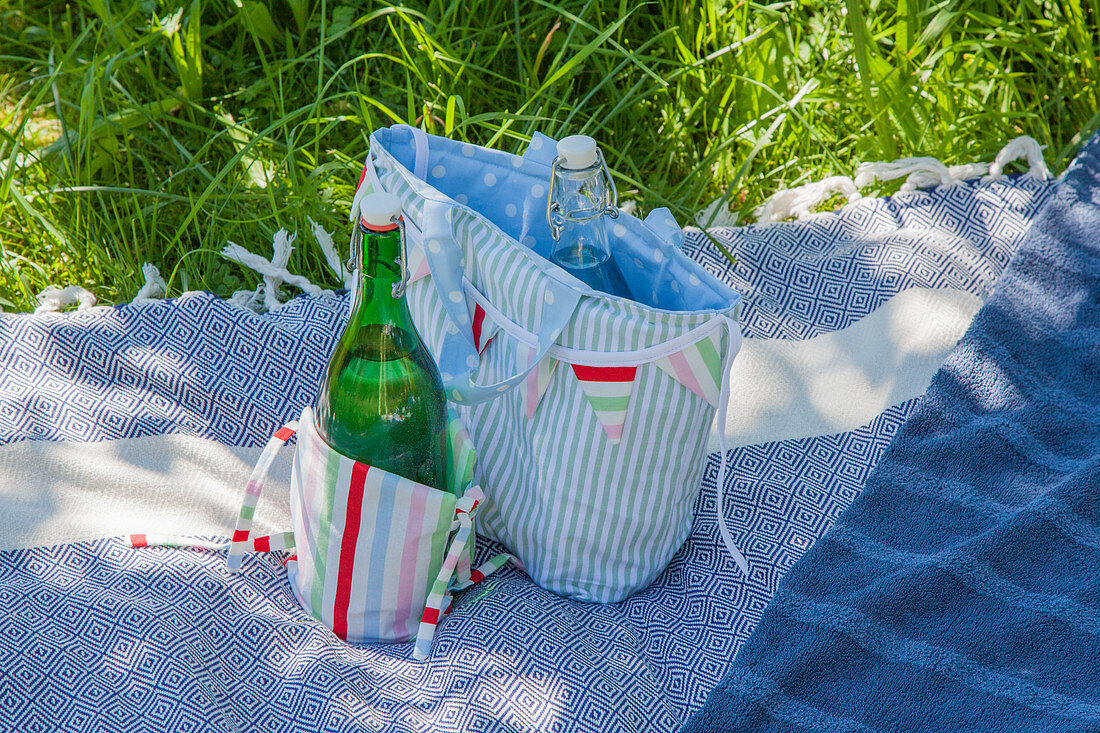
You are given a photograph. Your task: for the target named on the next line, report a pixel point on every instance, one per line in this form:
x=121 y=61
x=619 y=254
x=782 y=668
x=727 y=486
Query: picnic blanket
x=146 y=418
x=961 y=590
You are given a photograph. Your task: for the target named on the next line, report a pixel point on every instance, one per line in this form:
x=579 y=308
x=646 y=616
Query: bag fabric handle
x=458 y=355
x=542 y=149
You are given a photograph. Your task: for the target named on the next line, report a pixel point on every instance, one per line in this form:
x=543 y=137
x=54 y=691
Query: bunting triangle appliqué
x=484 y=328
x=698 y=366
x=418 y=262
x=608 y=390
x=537 y=380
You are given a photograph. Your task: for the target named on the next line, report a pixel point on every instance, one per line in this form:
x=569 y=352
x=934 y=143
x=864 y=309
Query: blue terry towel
x=961 y=590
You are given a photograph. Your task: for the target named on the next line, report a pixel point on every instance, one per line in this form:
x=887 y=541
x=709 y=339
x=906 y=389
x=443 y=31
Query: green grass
x=158 y=131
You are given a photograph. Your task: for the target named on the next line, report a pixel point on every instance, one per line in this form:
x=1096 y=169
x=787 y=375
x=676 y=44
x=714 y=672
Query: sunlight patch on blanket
x=164 y=484
x=835 y=382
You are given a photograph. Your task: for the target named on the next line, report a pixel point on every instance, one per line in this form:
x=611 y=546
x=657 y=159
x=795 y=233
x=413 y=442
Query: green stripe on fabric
x=328 y=494
x=439 y=539
x=711 y=358
x=609 y=404
x=247 y=512
x=461 y=454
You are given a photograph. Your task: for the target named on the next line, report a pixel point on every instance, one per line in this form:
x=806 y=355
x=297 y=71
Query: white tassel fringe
x=154 y=288
x=52 y=300
x=800 y=201
x=332 y=257
x=267 y=295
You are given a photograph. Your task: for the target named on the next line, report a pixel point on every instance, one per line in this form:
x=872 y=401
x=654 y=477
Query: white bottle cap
x=577 y=151
x=379 y=210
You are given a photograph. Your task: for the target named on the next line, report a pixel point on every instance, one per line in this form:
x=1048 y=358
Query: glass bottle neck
x=581 y=192
x=378 y=262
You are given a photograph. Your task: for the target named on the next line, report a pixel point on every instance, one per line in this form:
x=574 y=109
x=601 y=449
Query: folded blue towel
x=961 y=590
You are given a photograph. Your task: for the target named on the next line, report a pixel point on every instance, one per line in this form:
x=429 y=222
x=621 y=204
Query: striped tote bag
x=590 y=413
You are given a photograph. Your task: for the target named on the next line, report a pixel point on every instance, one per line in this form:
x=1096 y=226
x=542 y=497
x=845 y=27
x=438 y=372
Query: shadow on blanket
x=961 y=590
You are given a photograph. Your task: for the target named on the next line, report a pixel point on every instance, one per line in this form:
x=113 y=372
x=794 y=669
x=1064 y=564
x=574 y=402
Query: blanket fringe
x=332 y=257
x=154 y=288
x=268 y=295
x=52 y=299
x=799 y=202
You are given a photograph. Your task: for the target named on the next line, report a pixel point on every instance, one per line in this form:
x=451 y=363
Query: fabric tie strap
x=266 y=543
x=455 y=574
x=241 y=541
x=252 y=491
x=723 y=404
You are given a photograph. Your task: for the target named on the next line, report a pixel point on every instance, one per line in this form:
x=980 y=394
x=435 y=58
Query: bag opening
x=510 y=192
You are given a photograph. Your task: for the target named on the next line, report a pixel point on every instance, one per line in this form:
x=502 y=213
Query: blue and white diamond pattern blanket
x=147 y=418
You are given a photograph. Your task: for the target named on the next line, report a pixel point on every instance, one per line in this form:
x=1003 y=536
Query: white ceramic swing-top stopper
x=379 y=210
x=577 y=151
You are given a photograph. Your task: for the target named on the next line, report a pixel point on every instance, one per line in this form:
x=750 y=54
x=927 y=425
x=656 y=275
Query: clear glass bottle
x=580 y=203
x=381 y=401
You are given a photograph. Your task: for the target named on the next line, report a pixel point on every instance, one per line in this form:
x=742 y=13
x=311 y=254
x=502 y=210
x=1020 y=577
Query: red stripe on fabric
x=476 y=576
x=450 y=605
x=139 y=540
x=431 y=616
x=479 y=319
x=289 y=558
x=240 y=535
x=347 y=549
x=604 y=374
x=262 y=544
x=362 y=176
x=284 y=433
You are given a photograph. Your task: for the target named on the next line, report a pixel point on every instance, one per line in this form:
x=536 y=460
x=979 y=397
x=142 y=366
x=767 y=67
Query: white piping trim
x=723 y=405
x=585 y=357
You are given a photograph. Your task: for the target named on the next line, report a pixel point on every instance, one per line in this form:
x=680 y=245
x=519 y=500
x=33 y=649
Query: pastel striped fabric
x=378 y=547
x=572 y=459
x=370 y=543
x=463 y=456
x=538 y=379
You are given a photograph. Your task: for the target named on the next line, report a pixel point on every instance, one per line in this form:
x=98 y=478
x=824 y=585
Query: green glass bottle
x=382 y=401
